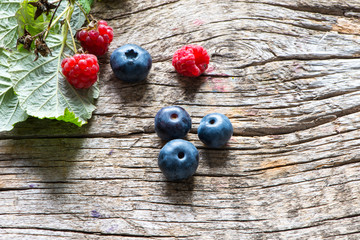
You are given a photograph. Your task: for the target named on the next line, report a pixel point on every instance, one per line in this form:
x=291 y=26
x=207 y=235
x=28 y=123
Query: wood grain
x=287 y=75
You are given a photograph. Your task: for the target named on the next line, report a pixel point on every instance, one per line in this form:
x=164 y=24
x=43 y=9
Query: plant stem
x=83 y=11
x=72 y=35
x=68 y=18
x=56 y=20
x=69 y=11
x=64 y=34
x=52 y=17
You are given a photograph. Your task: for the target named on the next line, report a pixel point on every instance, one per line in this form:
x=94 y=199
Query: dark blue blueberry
x=178 y=159
x=215 y=130
x=172 y=122
x=131 y=63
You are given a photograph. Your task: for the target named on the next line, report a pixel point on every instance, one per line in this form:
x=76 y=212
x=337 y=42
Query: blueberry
x=131 y=63
x=215 y=130
x=178 y=159
x=172 y=122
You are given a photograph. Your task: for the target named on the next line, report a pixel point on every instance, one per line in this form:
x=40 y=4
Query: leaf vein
x=38 y=87
x=38 y=66
x=49 y=98
x=8 y=32
x=12 y=114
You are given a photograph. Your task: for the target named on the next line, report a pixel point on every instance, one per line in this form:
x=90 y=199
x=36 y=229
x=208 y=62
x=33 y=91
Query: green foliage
x=38 y=88
x=42 y=90
x=25 y=18
x=10 y=111
x=8 y=23
x=86 y=4
x=77 y=18
x=69 y=117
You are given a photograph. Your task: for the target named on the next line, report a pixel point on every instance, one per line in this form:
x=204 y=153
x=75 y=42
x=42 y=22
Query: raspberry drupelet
x=96 y=38
x=81 y=70
x=191 y=60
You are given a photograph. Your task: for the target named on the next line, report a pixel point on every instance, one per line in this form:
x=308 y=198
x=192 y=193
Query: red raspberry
x=80 y=70
x=191 y=60
x=96 y=38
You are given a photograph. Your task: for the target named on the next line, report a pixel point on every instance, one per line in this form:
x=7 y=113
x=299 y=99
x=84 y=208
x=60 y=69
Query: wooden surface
x=287 y=74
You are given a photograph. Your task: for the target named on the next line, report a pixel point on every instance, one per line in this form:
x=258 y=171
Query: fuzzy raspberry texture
x=96 y=39
x=80 y=70
x=191 y=60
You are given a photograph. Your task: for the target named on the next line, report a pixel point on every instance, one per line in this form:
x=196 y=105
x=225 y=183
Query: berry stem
x=83 y=11
x=67 y=23
x=71 y=34
x=69 y=11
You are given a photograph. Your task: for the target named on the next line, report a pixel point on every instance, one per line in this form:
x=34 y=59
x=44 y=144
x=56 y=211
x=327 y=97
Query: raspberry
x=191 y=60
x=80 y=70
x=96 y=38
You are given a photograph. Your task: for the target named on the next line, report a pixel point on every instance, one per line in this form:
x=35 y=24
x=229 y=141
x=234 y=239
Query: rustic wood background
x=287 y=74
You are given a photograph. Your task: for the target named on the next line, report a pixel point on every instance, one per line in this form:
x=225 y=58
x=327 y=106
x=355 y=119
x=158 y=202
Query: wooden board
x=287 y=74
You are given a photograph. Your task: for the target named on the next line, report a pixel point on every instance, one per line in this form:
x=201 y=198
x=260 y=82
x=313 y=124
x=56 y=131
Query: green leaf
x=40 y=87
x=8 y=23
x=10 y=111
x=25 y=18
x=86 y=4
x=42 y=90
x=69 y=117
x=77 y=18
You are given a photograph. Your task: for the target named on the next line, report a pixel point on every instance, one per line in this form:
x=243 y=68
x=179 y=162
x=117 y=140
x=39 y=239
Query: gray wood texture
x=287 y=74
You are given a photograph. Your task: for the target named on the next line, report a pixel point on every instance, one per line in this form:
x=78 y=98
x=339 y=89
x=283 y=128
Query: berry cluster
x=96 y=38
x=179 y=159
x=80 y=70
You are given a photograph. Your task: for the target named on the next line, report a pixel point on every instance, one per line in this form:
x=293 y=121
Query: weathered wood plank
x=285 y=72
